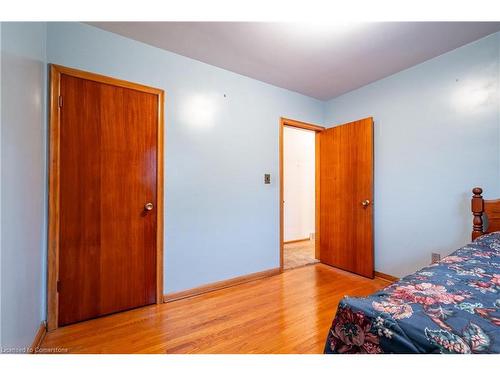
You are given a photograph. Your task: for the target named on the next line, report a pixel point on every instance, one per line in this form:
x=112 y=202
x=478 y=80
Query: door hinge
x=58 y=286
x=60 y=101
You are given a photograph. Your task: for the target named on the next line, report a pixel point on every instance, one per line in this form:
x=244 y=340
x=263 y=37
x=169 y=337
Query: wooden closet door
x=108 y=172
x=346 y=197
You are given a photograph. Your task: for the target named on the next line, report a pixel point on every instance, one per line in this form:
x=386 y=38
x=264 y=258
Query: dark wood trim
x=317 y=187
x=104 y=79
x=160 y=180
x=38 y=339
x=477 y=208
x=301 y=125
x=385 y=276
x=481 y=208
x=219 y=285
x=299 y=240
x=54 y=177
x=282 y=232
x=53 y=220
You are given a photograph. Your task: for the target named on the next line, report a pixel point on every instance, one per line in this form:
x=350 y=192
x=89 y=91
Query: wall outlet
x=435 y=257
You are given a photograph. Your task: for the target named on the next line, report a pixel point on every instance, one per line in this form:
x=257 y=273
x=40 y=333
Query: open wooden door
x=346 y=197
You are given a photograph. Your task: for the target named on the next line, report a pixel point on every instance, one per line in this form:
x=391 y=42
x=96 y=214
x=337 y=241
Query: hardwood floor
x=298 y=254
x=287 y=313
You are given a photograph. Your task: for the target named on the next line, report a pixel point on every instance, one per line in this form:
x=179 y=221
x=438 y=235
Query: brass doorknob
x=365 y=203
x=148 y=206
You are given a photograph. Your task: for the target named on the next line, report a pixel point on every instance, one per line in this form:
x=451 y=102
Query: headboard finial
x=477 y=207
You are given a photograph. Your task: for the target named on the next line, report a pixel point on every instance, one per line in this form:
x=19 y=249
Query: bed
x=452 y=306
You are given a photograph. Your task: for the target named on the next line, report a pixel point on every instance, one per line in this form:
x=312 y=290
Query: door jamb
x=54 y=180
x=286 y=122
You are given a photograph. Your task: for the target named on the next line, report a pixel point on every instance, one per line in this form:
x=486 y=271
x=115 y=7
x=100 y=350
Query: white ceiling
x=318 y=60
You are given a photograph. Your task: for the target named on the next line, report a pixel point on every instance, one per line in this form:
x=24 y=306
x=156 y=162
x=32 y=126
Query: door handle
x=148 y=206
x=365 y=203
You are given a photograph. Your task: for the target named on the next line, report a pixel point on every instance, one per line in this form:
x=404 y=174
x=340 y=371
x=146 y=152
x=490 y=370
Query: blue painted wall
x=436 y=137
x=221 y=221
x=23 y=181
x=1 y=321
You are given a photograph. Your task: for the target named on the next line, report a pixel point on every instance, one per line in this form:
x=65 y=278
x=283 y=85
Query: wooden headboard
x=481 y=208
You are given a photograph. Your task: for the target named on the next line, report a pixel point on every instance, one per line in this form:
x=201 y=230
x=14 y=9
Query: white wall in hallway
x=298 y=183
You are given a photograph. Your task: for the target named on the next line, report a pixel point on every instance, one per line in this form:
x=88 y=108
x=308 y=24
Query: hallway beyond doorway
x=298 y=254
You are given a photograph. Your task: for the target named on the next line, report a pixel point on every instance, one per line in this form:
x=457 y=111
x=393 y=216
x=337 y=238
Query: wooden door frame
x=286 y=122
x=54 y=182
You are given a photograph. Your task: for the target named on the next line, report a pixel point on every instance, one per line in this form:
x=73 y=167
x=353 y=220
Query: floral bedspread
x=449 y=307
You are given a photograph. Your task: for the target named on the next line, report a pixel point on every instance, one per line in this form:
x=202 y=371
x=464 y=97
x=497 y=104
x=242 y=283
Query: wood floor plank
x=286 y=313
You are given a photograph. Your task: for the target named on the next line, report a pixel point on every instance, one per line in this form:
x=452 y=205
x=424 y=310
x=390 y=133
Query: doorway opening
x=343 y=186
x=299 y=193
